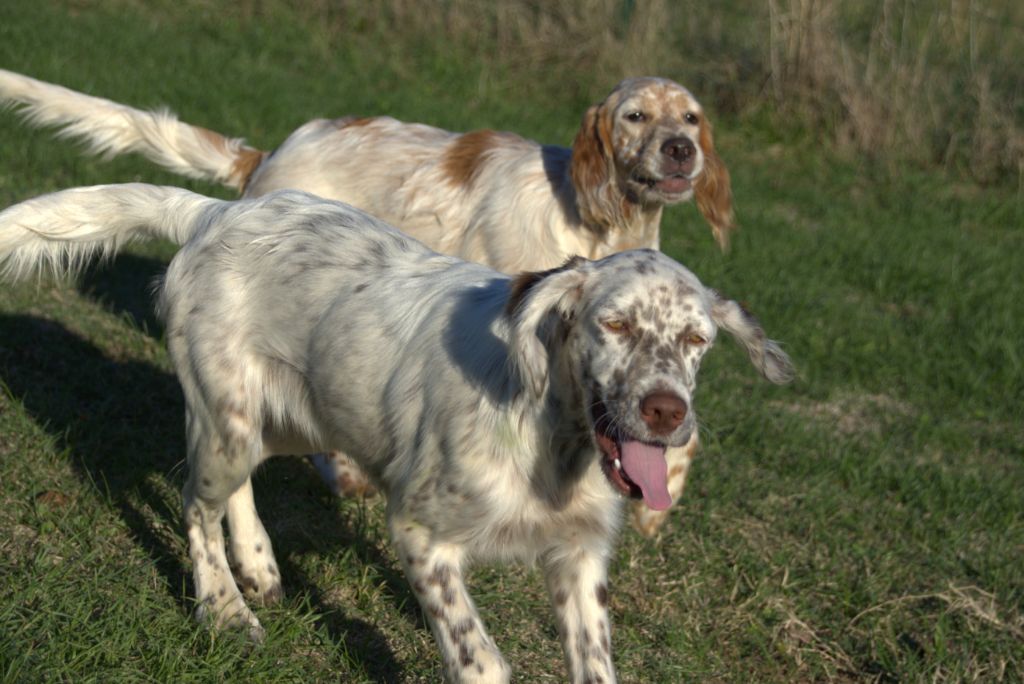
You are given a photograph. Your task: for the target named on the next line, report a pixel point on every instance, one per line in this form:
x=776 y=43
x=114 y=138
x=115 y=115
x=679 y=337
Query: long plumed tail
x=110 y=129
x=59 y=232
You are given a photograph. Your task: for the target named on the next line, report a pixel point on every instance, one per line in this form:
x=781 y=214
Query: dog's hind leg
x=220 y=462
x=435 y=572
x=252 y=556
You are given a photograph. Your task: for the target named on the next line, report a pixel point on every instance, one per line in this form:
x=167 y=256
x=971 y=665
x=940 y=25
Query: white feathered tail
x=59 y=232
x=110 y=129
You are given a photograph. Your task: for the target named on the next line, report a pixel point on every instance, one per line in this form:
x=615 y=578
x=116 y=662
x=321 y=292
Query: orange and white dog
x=486 y=196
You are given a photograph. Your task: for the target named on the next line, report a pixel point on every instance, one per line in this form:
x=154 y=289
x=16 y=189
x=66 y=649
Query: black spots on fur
x=249 y=585
x=458 y=630
x=441 y=576
x=259 y=548
x=561 y=596
x=666 y=353
x=601 y=593
x=206 y=482
x=683 y=289
x=633 y=312
x=222 y=592
x=272 y=569
x=273 y=594
x=465 y=655
x=379 y=251
x=360 y=287
x=643 y=267
x=521 y=285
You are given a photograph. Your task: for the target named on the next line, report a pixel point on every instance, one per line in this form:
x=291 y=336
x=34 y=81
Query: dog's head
x=649 y=143
x=629 y=332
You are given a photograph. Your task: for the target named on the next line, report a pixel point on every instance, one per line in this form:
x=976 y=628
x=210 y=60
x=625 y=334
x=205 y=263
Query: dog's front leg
x=578 y=586
x=435 y=573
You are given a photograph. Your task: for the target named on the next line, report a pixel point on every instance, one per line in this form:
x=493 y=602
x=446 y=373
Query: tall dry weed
x=905 y=81
x=899 y=81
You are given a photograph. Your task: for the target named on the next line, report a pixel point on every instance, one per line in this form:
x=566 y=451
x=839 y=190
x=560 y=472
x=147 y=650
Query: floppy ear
x=593 y=169
x=713 y=189
x=534 y=298
x=766 y=355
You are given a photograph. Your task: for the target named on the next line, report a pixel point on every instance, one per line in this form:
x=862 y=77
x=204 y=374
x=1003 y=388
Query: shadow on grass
x=127 y=286
x=122 y=422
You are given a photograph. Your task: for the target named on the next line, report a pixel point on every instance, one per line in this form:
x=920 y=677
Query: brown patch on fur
x=354 y=121
x=350 y=485
x=247 y=159
x=463 y=159
x=592 y=169
x=713 y=189
x=245 y=165
x=676 y=471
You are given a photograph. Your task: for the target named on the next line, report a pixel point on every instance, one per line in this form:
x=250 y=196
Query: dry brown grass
x=928 y=83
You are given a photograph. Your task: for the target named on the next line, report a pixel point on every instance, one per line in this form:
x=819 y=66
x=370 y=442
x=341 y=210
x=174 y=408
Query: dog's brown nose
x=679 y=149
x=662 y=411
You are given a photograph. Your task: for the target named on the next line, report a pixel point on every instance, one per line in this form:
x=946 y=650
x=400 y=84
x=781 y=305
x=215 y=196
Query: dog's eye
x=636 y=117
x=695 y=340
x=692 y=118
x=616 y=326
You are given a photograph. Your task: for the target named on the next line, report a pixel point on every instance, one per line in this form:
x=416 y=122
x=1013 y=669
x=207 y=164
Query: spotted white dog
x=503 y=417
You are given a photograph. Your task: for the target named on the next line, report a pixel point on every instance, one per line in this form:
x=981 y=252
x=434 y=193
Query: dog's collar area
x=633 y=468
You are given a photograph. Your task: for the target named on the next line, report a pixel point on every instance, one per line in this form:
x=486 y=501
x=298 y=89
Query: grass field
x=863 y=524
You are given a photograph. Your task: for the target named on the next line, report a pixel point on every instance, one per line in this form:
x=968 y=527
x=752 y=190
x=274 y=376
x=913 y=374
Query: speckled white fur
x=297 y=324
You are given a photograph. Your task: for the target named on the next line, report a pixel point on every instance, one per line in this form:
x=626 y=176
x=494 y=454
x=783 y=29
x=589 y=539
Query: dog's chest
x=498 y=510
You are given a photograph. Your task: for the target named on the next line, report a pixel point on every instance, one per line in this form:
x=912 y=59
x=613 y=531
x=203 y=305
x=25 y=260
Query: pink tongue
x=645 y=465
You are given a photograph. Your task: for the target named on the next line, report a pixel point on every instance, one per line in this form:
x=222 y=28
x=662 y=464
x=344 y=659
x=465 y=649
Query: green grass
x=863 y=524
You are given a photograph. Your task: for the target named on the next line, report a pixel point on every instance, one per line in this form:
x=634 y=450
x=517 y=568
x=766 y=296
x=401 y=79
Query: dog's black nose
x=679 y=149
x=662 y=411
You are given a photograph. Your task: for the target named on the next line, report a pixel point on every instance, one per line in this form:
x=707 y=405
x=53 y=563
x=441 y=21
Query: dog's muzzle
x=634 y=467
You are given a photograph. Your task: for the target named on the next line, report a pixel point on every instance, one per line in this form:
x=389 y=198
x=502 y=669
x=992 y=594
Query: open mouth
x=634 y=468
x=674 y=184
